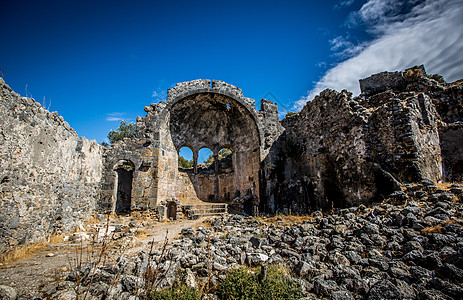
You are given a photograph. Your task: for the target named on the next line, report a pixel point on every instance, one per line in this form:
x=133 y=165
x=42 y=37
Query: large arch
x=202 y=113
x=205 y=86
x=212 y=120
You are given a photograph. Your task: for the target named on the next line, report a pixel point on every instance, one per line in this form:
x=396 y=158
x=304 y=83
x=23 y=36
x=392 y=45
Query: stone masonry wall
x=340 y=151
x=50 y=177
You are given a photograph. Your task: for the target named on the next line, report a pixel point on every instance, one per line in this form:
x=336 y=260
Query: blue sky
x=99 y=62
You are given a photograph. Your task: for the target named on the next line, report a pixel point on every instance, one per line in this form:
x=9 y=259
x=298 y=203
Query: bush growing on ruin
x=437 y=77
x=178 y=291
x=125 y=130
x=241 y=283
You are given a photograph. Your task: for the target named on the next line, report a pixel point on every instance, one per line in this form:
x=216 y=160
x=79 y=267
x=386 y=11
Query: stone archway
x=123 y=187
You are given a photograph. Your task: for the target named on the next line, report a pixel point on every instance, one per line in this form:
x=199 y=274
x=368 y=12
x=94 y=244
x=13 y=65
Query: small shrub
x=437 y=77
x=278 y=286
x=178 y=292
x=291 y=113
x=242 y=284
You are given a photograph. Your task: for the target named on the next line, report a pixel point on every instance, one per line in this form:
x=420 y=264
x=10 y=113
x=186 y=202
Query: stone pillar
x=195 y=162
x=216 y=176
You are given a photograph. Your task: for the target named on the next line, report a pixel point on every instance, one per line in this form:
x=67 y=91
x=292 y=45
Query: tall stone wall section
x=50 y=177
x=340 y=151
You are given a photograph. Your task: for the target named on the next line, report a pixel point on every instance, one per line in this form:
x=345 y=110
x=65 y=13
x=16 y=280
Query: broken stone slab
x=256 y=259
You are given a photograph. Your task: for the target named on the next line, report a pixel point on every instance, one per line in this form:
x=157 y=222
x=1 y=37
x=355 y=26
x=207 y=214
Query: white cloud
x=160 y=92
x=340 y=42
x=115 y=116
x=159 y=95
x=343 y=3
x=344 y=47
x=430 y=34
x=379 y=12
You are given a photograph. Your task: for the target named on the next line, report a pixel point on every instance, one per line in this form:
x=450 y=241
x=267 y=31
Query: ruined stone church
x=337 y=152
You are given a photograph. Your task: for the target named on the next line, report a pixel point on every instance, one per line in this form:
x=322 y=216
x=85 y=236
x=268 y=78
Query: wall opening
x=124 y=170
x=205 y=161
x=185 y=159
x=172 y=211
x=225 y=160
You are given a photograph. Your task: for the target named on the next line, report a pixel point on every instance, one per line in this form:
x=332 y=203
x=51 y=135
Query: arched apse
x=214 y=120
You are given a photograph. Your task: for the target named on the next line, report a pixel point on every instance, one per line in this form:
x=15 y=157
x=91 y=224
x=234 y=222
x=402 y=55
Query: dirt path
x=28 y=274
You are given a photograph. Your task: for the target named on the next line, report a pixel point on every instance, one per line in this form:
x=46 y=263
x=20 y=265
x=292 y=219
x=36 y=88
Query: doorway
x=124 y=172
x=172 y=211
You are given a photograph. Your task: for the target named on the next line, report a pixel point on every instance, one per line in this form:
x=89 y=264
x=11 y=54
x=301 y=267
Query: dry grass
x=446 y=185
x=286 y=220
x=143 y=216
x=438 y=228
x=25 y=251
x=141 y=232
x=442 y=185
x=91 y=221
x=456 y=83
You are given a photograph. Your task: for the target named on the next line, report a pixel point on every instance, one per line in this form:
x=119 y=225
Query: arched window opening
x=225 y=160
x=124 y=170
x=185 y=159
x=206 y=161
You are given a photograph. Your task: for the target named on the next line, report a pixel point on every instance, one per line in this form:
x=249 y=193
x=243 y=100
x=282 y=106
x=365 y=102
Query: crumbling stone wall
x=340 y=151
x=49 y=176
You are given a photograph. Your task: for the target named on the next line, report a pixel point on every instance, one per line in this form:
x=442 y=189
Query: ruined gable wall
x=403 y=135
x=49 y=176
